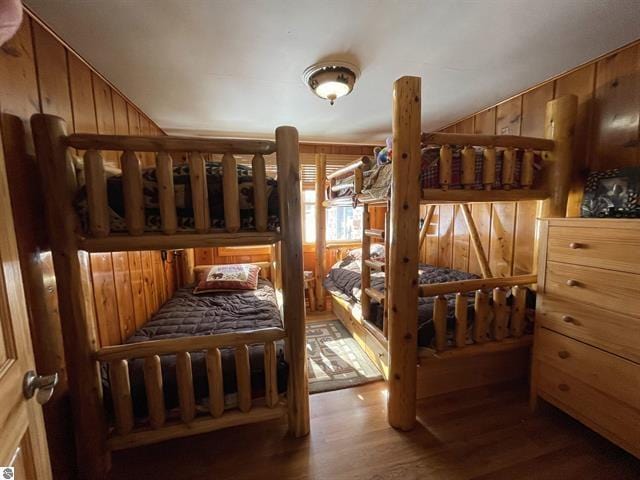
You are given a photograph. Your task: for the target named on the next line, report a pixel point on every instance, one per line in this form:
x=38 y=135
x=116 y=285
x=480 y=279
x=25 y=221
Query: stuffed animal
x=383 y=155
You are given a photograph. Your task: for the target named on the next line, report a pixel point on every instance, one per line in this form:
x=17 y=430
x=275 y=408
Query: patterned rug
x=335 y=360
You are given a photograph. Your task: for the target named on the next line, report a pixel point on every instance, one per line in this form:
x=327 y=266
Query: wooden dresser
x=586 y=356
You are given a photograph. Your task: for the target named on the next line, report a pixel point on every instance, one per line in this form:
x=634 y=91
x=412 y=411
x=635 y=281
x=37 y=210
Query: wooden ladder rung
x=375 y=265
x=374 y=233
x=375 y=294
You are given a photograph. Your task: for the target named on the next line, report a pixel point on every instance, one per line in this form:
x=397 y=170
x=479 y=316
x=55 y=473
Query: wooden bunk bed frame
x=94 y=437
x=415 y=372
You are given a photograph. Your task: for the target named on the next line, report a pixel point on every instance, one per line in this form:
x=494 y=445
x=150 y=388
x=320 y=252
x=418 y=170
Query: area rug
x=334 y=358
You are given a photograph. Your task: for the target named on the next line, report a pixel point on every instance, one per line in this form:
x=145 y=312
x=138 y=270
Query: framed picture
x=612 y=194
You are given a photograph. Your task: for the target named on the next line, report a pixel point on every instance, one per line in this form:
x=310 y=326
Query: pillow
x=221 y=278
x=376 y=251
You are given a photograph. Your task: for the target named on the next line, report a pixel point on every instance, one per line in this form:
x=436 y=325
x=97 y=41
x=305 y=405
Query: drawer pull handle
x=563 y=387
x=572 y=283
x=563 y=354
x=575 y=245
x=570 y=319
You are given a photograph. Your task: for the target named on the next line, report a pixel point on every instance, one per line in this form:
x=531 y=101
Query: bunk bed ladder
x=369 y=293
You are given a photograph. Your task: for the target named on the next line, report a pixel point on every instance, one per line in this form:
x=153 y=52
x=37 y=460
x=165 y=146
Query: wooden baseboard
x=444 y=375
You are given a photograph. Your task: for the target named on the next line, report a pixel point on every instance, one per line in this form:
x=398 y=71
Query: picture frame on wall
x=612 y=194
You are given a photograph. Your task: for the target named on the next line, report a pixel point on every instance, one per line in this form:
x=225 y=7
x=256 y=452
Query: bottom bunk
x=491 y=345
x=206 y=360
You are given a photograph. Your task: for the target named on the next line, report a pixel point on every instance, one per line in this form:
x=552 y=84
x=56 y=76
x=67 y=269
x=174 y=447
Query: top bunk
x=164 y=205
x=469 y=168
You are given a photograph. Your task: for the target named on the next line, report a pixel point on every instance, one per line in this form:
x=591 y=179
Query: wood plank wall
x=608 y=136
x=39 y=74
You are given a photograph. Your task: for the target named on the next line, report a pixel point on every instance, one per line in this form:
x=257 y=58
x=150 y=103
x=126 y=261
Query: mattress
x=186 y=314
x=184 y=206
x=344 y=281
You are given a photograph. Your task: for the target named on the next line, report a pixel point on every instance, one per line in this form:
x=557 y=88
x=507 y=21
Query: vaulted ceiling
x=234 y=68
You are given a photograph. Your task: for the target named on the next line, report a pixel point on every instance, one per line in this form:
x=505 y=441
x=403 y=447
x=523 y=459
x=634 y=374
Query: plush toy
x=383 y=155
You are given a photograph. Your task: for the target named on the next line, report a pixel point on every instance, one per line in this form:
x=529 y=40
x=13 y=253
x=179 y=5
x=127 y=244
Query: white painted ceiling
x=234 y=68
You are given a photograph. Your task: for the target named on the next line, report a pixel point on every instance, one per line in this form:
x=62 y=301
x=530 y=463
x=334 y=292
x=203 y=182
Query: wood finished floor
x=479 y=434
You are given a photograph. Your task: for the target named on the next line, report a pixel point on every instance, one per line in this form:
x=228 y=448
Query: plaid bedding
x=184 y=206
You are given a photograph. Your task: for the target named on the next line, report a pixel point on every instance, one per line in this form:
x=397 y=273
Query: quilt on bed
x=184 y=205
x=377 y=182
x=186 y=314
x=344 y=281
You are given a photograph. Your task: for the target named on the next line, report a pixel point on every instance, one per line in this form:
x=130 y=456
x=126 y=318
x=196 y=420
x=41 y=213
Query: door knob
x=39 y=385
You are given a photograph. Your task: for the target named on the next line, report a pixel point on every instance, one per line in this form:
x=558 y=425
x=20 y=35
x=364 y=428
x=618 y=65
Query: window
x=344 y=223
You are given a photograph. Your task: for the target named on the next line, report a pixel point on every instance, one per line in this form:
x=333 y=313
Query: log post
x=560 y=121
x=461 y=319
x=481 y=310
x=243 y=377
x=154 y=390
x=526 y=171
x=403 y=262
x=199 y=192
x=468 y=167
x=500 y=313
x=440 y=322
x=292 y=277
x=260 y=206
x=230 y=193
x=518 y=310
x=186 y=395
x=321 y=225
x=489 y=168
x=446 y=162
x=75 y=297
x=133 y=191
x=508 y=168
x=97 y=200
x=121 y=396
x=215 y=380
x=166 y=193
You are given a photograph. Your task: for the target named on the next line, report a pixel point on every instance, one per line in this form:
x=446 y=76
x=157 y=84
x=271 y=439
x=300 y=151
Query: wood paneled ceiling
x=234 y=67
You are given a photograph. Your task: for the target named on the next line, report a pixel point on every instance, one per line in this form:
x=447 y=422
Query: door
x=23 y=443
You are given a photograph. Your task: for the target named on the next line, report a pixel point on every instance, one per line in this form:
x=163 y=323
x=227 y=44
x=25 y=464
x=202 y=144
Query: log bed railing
x=492 y=322
x=128 y=433
x=69 y=250
x=100 y=238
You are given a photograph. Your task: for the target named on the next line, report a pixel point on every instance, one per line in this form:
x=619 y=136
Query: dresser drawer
x=616 y=291
x=603 y=371
x=613 y=249
x=598 y=410
x=613 y=332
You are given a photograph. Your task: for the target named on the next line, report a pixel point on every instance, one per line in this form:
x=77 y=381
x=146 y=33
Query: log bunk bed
x=478 y=332
x=96 y=436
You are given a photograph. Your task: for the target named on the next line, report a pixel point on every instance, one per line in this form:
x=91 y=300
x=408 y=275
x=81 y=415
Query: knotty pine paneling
x=39 y=74
x=607 y=136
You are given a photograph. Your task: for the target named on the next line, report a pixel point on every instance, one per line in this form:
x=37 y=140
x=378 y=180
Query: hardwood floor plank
x=481 y=433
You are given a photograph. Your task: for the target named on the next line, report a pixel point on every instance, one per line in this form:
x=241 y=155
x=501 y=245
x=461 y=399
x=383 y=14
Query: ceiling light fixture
x=331 y=80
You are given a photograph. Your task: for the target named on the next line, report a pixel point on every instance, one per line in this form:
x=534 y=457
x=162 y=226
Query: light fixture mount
x=331 y=80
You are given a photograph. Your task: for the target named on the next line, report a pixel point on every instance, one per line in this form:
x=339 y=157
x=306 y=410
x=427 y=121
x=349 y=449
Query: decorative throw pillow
x=376 y=251
x=612 y=193
x=228 y=277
